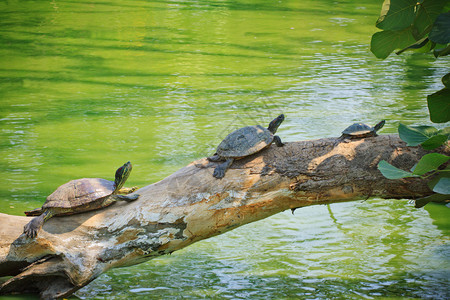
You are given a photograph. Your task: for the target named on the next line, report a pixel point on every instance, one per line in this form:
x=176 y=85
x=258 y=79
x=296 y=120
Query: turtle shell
x=358 y=129
x=79 y=192
x=245 y=141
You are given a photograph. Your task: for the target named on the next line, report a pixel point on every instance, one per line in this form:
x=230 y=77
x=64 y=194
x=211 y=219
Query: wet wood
x=191 y=205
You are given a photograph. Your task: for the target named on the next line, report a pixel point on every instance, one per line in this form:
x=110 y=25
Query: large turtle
x=361 y=130
x=244 y=142
x=81 y=195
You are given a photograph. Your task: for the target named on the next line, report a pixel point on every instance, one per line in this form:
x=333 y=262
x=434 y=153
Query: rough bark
x=191 y=205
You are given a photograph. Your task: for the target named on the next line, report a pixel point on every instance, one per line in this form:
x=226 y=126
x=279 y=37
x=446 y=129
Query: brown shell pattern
x=245 y=141
x=79 y=192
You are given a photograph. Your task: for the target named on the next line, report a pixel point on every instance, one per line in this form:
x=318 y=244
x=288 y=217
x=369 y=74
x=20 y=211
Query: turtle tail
x=34 y=212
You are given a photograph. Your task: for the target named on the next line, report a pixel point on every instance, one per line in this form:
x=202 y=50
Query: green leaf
x=438 y=198
x=417 y=45
x=446 y=80
x=384 y=42
x=434 y=142
x=439 y=106
x=396 y=14
x=441 y=51
x=427 y=13
x=445 y=131
x=428 y=136
x=430 y=162
x=391 y=172
x=436 y=181
x=440 y=32
x=442 y=186
x=415 y=135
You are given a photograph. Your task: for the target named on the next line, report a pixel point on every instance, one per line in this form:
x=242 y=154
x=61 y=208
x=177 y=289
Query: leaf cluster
x=439 y=102
x=422 y=25
x=430 y=164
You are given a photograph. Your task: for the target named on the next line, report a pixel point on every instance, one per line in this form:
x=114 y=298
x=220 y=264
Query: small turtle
x=361 y=130
x=244 y=142
x=81 y=195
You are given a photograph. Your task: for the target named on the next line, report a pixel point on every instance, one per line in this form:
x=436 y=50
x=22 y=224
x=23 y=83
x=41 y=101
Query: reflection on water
x=85 y=87
x=359 y=250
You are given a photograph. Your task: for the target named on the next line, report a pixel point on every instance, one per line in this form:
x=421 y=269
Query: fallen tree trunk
x=191 y=205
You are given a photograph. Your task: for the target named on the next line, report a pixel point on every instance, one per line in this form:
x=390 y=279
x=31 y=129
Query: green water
x=86 y=86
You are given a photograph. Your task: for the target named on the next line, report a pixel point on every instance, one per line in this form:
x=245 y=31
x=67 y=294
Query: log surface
x=191 y=205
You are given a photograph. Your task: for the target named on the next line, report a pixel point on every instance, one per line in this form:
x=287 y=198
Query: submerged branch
x=191 y=205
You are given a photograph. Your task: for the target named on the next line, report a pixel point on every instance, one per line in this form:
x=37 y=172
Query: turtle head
x=273 y=126
x=379 y=126
x=122 y=174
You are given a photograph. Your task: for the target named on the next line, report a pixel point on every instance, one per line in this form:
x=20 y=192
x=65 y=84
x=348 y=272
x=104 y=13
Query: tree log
x=191 y=205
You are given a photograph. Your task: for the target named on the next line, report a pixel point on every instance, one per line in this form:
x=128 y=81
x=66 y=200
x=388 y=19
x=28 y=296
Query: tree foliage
x=412 y=24
x=423 y=26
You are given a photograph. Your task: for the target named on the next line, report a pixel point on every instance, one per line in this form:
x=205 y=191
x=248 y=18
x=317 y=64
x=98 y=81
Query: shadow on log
x=191 y=205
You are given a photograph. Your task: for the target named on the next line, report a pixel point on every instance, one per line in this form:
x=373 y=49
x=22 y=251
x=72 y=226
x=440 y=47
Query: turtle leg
x=32 y=228
x=219 y=171
x=215 y=157
x=128 y=198
x=339 y=140
x=113 y=198
x=278 y=141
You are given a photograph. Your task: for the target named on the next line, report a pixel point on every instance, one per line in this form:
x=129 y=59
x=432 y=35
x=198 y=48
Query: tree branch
x=191 y=205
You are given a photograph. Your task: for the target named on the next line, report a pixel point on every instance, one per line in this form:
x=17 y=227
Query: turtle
x=361 y=130
x=80 y=195
x=243 y=142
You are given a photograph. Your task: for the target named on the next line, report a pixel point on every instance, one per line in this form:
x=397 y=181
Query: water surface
x=86 y=86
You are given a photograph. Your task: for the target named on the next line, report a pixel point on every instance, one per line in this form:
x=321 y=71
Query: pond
x=88 y=85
